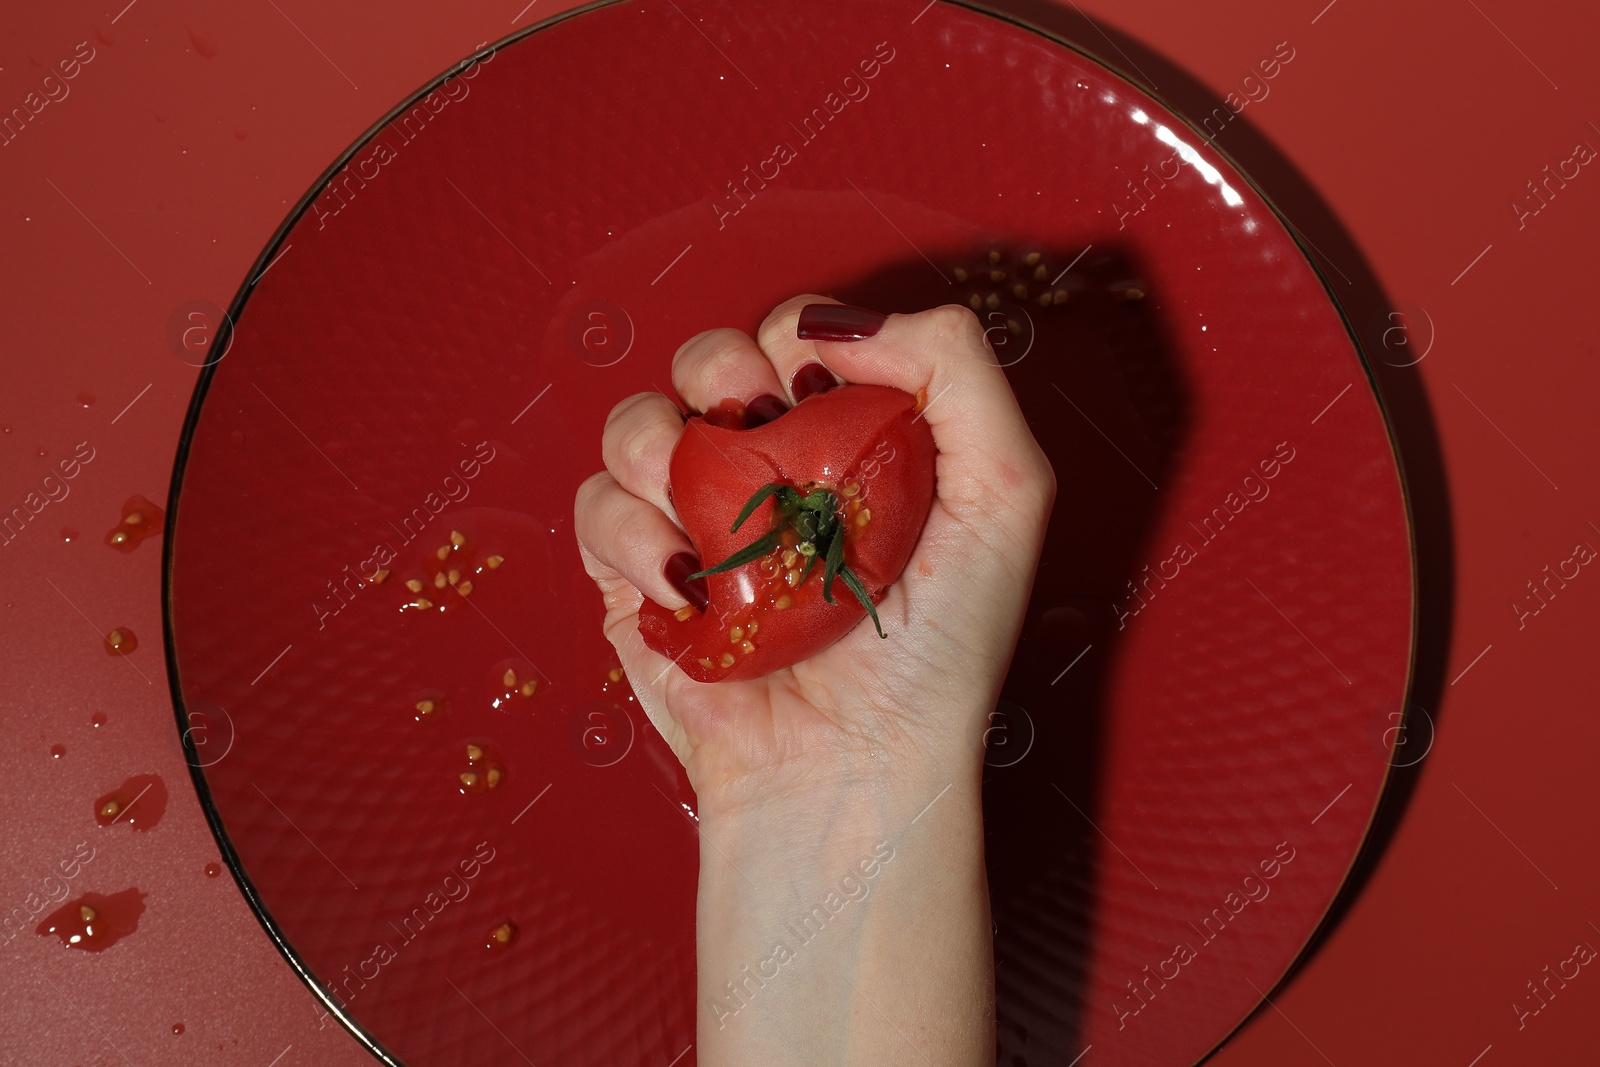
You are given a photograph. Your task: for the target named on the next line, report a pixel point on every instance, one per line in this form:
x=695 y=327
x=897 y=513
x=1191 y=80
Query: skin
x=806 y=776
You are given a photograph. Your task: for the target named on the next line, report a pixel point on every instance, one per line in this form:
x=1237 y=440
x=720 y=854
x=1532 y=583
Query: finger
x=637 y=445
x=722 y=364
x=791 y=356
x=987 y=453
x=636 y=540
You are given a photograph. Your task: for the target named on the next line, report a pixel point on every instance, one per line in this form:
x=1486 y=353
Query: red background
x=1395 y=142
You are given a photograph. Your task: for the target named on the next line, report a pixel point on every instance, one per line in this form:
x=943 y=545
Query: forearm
x=852 y=928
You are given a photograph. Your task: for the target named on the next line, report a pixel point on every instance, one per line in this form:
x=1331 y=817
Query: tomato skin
x=866 y=436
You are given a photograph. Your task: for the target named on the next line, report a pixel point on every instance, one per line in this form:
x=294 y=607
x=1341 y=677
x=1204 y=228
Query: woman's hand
x=808 y=777
x=914 y=704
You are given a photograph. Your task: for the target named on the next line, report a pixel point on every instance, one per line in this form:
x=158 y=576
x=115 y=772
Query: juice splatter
x=95 y=921
x=431 y=708
x=502 y=936
x=140 y=519
x=138 y=803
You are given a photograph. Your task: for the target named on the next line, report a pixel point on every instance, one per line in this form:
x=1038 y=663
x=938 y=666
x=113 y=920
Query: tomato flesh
x=867 y=444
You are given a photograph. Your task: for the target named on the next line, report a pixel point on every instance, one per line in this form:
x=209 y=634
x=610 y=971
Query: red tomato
x=868 y=448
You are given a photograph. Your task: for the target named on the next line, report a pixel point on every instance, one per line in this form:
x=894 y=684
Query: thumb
x=991 y=470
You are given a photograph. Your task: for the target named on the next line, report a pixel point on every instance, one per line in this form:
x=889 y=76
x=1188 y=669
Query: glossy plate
x=1197 y=726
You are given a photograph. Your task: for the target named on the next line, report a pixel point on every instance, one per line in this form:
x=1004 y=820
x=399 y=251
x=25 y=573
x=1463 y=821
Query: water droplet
x=86 y=399
x=57 y=751
x=95 y=921
x=68 y=534
x=139 y=803
x=97 y=720
x=213 y=869
x=121 y=641
x=177 y=1028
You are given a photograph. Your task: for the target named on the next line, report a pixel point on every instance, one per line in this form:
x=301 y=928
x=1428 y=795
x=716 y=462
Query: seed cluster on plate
x=999 y=279
x=483 y=773
x=514 y=686
x=452 y=568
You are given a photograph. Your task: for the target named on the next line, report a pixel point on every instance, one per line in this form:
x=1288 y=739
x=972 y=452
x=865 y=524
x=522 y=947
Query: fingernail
x=679 y=566
x=762 y=410
x=809 y=380
x=837 y=322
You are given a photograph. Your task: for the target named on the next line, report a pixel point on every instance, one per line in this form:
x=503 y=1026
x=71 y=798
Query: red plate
x=1195 y=732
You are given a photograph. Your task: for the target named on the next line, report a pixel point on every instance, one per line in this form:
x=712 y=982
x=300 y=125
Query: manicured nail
x=837 y=322
x=679 y=566
x=762 y=410
x=809 y=380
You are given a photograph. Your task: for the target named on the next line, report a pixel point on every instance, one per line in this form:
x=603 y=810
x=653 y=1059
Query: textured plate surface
x=1195 y=731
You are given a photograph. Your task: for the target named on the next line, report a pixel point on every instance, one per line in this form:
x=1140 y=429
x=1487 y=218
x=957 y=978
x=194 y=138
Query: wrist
x=868 y=777
x=809 y=920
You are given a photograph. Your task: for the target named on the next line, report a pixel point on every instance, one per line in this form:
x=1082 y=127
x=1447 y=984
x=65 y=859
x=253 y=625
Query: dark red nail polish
x=809 y=380
x=762 y=410
x=679 y=566
x=837 y=322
